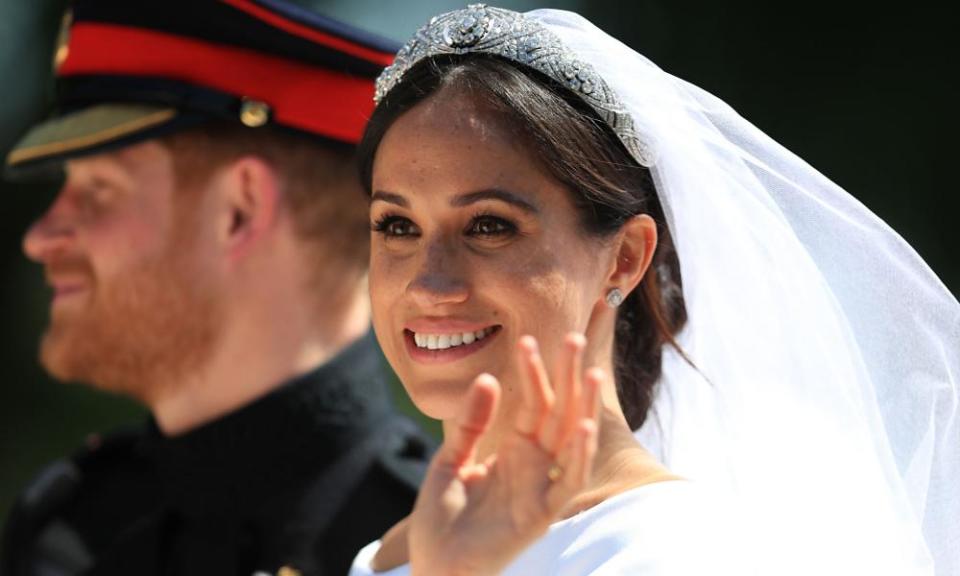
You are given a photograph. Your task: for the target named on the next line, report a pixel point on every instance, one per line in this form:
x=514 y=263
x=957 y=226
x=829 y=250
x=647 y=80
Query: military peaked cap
x=127 y=71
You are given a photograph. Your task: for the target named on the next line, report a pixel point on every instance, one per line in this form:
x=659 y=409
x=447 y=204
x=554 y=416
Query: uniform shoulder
x=59 y=489
x=63 y=479
x=384 y=494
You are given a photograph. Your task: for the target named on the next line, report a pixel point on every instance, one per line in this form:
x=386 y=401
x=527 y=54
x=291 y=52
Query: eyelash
x=382 y=224
x=505 y=227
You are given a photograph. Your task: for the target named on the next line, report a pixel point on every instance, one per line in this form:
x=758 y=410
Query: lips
x=62 y=289
x=66 y=288
x=68 y=277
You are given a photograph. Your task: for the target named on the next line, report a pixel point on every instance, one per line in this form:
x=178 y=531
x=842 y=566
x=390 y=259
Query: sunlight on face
x=474 y=245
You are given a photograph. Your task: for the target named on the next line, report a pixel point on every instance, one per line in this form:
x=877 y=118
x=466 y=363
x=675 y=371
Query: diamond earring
x=614 y=298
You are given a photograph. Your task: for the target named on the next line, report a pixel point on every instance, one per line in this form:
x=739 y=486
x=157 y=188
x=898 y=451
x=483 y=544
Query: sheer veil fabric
x=824 y=401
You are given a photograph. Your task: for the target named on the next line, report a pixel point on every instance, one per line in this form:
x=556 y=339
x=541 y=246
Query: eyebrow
x=390 y=198
x=464 y=199
x=494 y=194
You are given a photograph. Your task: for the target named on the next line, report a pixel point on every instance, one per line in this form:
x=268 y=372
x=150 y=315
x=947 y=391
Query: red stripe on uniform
x=297 y=29
x=306 y=97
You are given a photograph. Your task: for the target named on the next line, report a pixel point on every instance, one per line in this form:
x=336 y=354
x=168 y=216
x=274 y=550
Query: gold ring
x=555 y=472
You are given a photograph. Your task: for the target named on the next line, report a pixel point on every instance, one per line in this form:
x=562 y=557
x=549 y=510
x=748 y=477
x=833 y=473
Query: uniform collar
x=280 y=439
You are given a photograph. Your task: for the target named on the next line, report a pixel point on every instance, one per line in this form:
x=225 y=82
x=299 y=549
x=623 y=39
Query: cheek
x=387 y=283
x=140 y=231
x=547 y=307
x=541 y=292
x=387 y=279
x=556 y=304
x=113 y=253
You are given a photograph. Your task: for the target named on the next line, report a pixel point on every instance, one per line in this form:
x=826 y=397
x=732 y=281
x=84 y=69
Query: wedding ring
x=555 y=472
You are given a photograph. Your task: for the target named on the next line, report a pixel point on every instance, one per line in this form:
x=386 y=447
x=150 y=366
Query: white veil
x=825 y=403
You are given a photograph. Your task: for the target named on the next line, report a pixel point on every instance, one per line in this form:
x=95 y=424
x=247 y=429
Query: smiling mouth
x=427 y=347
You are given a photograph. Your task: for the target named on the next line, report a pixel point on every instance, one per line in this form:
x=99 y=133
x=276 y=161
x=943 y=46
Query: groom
x=206 y=256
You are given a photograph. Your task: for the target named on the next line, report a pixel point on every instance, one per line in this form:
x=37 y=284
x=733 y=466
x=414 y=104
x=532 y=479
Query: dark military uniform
x=303 y=477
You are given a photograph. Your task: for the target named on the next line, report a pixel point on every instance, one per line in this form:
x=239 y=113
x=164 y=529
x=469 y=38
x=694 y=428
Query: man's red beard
x=136 y=334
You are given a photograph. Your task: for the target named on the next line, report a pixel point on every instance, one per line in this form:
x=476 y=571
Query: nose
x=440 y=279
x=50 y=233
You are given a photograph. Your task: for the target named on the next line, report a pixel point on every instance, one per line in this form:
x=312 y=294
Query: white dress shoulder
x=670 y=528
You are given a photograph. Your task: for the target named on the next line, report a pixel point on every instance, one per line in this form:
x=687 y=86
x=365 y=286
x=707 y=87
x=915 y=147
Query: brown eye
x=490 y=226
x=395 y=227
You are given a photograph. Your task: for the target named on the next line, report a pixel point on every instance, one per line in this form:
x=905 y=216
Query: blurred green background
x=861 y=93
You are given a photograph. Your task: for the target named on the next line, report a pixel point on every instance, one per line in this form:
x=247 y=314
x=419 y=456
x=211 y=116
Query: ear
x=632 y=251
x=249 y=203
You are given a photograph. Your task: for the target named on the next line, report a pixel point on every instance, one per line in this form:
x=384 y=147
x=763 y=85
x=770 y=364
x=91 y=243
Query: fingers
x=568 y=402
x=594 y=382
x=536 y=396
x=576 y=460
x=576 y=455
x=460 y=447
x=572 y=373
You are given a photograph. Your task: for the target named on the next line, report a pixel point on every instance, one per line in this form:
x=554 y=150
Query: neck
x=260 y=348
x=621 y=464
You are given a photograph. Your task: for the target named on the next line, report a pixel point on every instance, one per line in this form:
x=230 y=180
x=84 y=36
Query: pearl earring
x=614 y=298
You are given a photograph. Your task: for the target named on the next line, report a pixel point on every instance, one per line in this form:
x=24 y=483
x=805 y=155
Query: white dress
x=670 y=528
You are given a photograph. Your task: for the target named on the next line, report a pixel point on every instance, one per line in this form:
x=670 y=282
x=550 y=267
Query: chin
x=440 y=399
x=55 y=357
x=73 y=356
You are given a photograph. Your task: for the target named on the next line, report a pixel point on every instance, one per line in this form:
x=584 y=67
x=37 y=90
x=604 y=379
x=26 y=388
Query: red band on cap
x=278 y=21
x=301 y=96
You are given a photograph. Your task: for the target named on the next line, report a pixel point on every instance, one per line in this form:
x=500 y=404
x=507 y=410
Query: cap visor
x=86 y=131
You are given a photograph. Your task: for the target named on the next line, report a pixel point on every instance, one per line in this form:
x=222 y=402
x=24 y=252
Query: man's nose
x=51 y=232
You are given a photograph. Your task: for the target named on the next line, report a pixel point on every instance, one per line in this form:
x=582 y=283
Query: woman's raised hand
x=475 y=517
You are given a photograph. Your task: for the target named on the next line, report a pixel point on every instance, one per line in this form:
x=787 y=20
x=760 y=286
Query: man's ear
x=633 y=251
x=249 y=193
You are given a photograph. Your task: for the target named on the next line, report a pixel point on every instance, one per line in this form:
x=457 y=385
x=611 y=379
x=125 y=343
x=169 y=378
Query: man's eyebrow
x=494 y=194
x=390 y=198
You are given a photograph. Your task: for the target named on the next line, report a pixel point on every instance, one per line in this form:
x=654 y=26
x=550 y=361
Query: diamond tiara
x=481 y=29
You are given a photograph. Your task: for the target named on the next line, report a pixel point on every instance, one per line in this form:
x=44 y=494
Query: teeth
x=444 y=341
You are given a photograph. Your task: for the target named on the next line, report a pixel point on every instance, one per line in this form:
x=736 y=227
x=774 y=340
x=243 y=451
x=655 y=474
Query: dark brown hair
x=607 y=186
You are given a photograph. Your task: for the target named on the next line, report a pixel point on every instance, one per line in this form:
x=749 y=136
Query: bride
x=573 y=251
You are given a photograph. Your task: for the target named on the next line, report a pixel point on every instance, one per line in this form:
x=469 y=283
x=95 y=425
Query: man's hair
x=319 y=182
